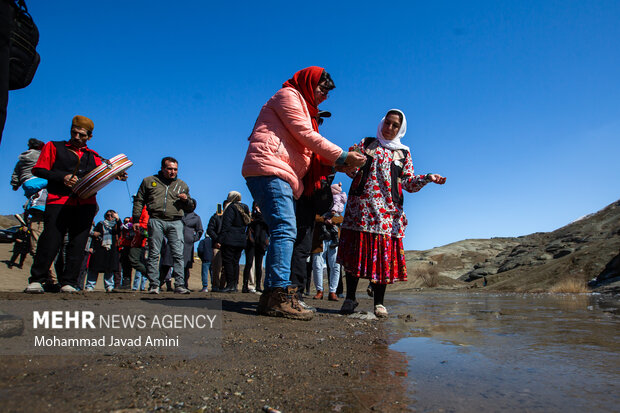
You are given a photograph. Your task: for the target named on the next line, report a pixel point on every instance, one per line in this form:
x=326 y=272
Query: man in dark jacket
x=213 y=231
x=167 y=200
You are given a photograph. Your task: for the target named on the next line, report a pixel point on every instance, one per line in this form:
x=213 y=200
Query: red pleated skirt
x=378 y=257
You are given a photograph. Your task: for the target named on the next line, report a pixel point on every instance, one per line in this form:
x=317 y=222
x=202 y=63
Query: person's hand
x=355 y=159
x=122 y=176
x=96 y=234
x=438 y=179
x=217 y=246
x=345 y=169
x=70 y=180
x=116 y=217
x=183 y=196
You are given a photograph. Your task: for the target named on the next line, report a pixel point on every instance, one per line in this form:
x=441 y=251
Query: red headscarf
x=305 y=81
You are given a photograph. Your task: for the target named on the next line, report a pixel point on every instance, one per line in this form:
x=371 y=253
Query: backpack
x=23 y=57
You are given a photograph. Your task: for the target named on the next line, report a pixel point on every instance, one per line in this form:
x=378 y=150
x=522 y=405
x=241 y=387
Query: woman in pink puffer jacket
x=282 y=143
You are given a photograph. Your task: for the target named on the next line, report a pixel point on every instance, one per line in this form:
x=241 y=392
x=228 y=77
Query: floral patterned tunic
x=374 y=210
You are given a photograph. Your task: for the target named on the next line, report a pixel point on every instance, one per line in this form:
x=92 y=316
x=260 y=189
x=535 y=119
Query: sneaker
x=68 y=289
x=381 y=311
x=34 y=288
x=181 y=290
x=204 y=290
x=305 y=306
x=89 y=289
x=109 y=289
x=252 y=291
x=348 y=307
x=284 y=303
x=154 y=290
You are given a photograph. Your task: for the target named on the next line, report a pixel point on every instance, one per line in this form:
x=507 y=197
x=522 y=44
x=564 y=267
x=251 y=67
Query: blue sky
x=517 y=103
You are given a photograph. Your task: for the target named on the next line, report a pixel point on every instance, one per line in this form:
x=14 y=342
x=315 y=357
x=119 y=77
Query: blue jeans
x=173 y=231
x=205 y=273
x=330 y=251
x=91 y=280
x=274 y=196
x=139 y=282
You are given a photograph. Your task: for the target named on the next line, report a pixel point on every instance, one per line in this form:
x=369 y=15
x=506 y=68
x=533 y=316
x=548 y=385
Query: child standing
x=371 y=238
x=205 y=253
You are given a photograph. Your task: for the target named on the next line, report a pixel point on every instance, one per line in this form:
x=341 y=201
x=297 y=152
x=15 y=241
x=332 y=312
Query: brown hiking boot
x=318 y=296
x=283 y=303
x=261 y=309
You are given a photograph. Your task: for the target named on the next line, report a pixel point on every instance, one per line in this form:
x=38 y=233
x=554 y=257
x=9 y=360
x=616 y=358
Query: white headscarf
x=394 y=143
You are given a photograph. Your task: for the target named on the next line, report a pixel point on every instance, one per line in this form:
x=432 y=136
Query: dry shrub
x=570 y=285
x=428 y=274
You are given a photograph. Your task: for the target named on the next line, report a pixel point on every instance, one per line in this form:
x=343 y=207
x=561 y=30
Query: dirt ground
x=331 y=363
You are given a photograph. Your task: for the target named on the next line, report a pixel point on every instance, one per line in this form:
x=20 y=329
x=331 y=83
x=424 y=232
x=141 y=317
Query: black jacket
x=233 y=226
x=214 y=228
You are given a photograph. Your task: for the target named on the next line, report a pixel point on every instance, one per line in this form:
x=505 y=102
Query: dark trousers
x=137 y=259
x=253 y=256
x=6 y=23
x=230 y=261
x=305 y=214
x=21 y=255
x=59 y=220
x=125 y=266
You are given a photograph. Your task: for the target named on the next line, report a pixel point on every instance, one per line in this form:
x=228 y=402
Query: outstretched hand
x=355 y=159
x=438 y=179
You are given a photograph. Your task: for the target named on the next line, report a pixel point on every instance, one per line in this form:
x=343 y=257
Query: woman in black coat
x=257 y=242
x=192 y=232
x=105 y=251
x=235 y=219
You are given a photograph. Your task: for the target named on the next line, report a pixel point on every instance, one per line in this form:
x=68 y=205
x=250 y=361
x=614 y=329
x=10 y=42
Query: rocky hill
x=581 y=251
x=7 y=221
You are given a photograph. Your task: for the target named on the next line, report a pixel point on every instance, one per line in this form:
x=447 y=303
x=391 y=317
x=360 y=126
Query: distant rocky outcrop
x=7 y=221
x=585 y=249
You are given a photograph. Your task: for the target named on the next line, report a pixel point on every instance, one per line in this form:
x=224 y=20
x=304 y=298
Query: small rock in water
x=363 y=315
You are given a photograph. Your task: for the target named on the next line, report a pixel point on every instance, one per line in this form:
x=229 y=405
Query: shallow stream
x=509 y=352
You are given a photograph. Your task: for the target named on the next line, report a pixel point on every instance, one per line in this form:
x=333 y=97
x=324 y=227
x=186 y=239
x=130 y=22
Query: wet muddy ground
x=331 y=363
x=510 y=352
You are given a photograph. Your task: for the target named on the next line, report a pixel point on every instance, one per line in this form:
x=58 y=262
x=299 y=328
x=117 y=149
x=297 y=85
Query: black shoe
x=229 y=290
x=181 y=290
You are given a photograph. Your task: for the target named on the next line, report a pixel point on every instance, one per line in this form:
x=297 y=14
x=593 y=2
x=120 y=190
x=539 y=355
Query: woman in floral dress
x=371 y=241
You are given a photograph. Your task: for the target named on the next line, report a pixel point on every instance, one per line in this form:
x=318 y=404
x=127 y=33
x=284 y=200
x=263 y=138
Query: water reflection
x=495 y=352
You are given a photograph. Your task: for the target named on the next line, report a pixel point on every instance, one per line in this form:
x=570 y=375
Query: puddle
x=510 y=352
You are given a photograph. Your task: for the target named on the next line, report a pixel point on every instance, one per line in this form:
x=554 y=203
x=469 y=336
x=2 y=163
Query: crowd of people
x=298 y=219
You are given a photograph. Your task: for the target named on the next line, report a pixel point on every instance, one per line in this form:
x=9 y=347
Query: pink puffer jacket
x=283 y=141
